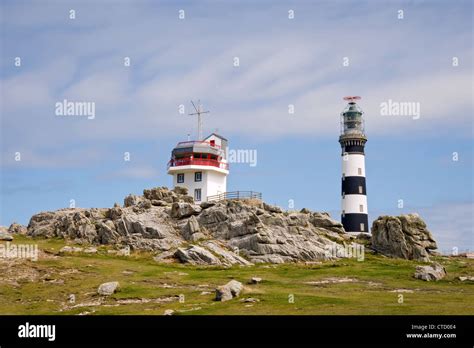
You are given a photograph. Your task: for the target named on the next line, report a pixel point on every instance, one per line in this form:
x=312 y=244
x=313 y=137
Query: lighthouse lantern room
x=200 y=165
x=354 y=215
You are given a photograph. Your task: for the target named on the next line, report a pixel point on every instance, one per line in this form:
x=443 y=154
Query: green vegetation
x=367 y=287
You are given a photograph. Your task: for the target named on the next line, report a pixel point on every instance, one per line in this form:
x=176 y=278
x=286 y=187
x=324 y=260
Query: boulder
x=324 y=220
x=132 y=200
x=196 y=255
x=106 y=232
x=156 y=193
x=432 y=272
x=183 y=210
x=107 y=289
x=4 y=235
x=158 y=203
x=255 y=280
x=164 y=256
x=16 y=228
x=229 y=291
x=90 y=250
x=205 y=204
x=69 y=249
x=404 y=236
x=468 y=278
x=115 y=213
x=181 y=190
x=191 y=227
x=272 y=208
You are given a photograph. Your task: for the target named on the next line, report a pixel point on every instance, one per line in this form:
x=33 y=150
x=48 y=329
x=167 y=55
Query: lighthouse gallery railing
x=198 y=162
x=235 y=195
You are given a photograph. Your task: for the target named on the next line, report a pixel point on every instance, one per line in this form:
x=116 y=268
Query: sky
x=404 y=51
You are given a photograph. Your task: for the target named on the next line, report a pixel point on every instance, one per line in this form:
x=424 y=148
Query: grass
x=371 y=293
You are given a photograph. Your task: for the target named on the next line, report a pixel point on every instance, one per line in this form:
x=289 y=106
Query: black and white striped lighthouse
x=354 y=215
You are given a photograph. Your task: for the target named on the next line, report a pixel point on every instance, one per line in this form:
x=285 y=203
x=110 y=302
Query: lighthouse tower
x=354 y=215
x=200 y=165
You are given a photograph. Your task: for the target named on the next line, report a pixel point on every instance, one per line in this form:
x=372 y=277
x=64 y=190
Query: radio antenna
x=199 y=112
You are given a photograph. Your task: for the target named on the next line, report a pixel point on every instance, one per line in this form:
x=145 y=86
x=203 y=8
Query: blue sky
x=282 y=61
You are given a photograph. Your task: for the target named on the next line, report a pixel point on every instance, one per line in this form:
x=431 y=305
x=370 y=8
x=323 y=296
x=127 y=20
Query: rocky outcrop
x=228 y=257
x=430 y=273
x=404 y=236
x=228 y=232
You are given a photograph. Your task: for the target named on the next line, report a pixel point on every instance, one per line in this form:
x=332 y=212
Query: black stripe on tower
x=353 y=185
x=355 y=146
x=355 y=222
x=353 y=149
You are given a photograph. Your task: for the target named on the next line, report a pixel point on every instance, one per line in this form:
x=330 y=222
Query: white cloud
x=281 y=64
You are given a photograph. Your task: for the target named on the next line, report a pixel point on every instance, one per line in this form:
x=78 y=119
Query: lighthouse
x=354 y=215
x=200 y=165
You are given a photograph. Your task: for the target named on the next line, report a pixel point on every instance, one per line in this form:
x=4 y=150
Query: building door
x=197 y=195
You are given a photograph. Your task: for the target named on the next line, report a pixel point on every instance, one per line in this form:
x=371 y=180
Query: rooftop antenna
x=199 y=112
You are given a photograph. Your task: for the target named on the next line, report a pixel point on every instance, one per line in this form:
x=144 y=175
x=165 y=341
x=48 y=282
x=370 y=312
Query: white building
x=200 y=166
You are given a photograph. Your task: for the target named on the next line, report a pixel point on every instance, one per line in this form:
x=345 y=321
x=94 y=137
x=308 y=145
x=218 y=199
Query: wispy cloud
x=132 y=172
x=296 y=62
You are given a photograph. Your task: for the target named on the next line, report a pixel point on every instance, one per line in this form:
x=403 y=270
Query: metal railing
x=235 y=195
x=198 y=162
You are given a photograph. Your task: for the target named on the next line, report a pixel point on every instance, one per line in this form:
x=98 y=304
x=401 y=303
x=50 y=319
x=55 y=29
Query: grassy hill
x=347 y=286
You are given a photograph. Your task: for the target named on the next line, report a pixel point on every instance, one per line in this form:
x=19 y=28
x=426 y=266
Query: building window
x=362 y=227
x=360 y=189
x=361 y=208
x=197 y=195
x=180 y=178
x=359 y=171
x=198 y=176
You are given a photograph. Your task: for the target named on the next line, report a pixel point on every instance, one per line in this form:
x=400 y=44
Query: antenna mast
x=198 y=113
